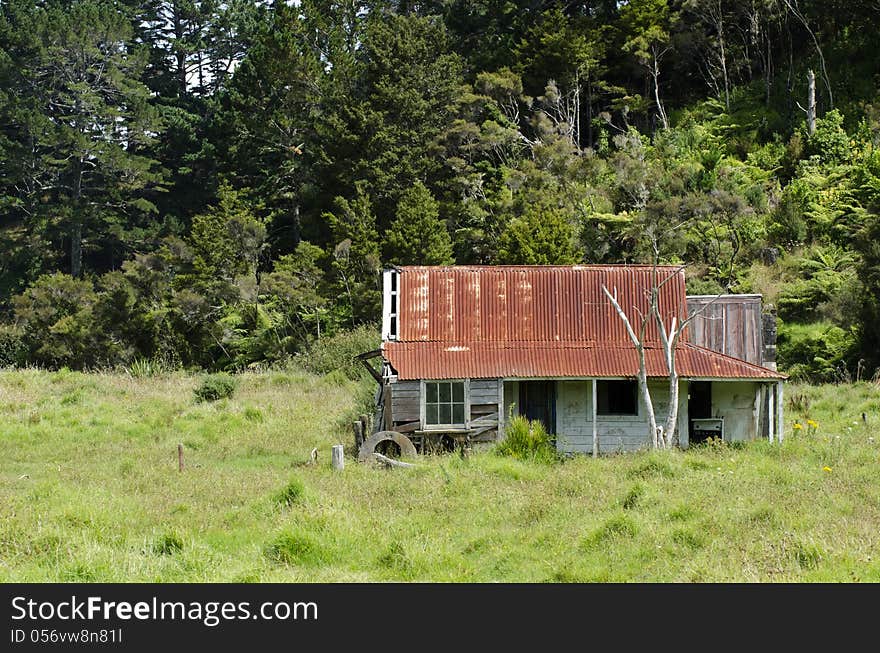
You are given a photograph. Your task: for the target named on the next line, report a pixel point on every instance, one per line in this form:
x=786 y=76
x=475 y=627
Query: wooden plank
x=387 y=407
x=595 y=424
x=407 y=411
x=408 y=427
x=483 y=409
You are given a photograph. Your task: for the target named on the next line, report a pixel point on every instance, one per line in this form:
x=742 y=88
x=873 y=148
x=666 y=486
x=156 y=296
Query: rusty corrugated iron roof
x=542 y=321
x=463 y=304
x=490 y=360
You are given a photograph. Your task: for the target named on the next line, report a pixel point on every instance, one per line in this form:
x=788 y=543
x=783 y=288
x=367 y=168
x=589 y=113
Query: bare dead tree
x=666 y=436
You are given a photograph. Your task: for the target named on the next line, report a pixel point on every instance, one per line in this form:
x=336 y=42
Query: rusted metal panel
x=490 y=360
x=730 y=324
x=489 y=322
x=465 y=304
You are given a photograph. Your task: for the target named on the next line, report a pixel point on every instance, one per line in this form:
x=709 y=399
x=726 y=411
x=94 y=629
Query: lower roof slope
x=492 y=360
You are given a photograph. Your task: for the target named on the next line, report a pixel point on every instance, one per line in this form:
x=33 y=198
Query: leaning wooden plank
x=390 y=462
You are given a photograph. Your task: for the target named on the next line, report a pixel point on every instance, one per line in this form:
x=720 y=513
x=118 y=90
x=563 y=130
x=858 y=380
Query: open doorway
x=699 y=407
x=537 y=401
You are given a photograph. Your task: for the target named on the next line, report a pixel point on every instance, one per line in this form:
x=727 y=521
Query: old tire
x=407 y=449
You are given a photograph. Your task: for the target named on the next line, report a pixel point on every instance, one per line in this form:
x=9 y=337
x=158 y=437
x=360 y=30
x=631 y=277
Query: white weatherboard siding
x=735 y=402
x=574 y=423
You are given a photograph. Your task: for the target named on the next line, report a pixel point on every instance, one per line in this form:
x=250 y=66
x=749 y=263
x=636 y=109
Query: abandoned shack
x=464 y=348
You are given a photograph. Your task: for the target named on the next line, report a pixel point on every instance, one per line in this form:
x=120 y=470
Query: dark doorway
x=537 y=401
x=699 y=407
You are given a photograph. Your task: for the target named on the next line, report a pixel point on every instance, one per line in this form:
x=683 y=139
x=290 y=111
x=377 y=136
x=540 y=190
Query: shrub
x=292 y=493
x=55 y=315
x=816 y=352
x=525 y=439
x=338 y=352
x=141 y=368
x=13 y=350
x=215 y=386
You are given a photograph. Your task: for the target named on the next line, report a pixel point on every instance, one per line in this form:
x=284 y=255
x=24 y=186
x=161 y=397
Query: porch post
x=780 y=423
x=595 y=427
x=501 y=412
x=771 y=410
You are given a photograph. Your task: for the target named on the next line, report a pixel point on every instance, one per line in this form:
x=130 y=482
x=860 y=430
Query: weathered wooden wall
x=730 y=324
x=406 y=401
x=484 y=396
x=733 y=400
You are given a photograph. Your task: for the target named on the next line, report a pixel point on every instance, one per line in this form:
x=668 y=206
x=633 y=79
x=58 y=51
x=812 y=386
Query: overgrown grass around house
x=90 y=491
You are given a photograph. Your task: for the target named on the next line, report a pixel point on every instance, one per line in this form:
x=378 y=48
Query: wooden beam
x=595 y=426
x=780 y=422
x=390 y=462
x=363 y=358
x=358 y=434
x=387 y=408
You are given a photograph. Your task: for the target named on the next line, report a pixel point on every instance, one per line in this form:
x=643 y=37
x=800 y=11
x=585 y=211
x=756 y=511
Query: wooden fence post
x=358 y=434
x=337 y=457
x=180 y=457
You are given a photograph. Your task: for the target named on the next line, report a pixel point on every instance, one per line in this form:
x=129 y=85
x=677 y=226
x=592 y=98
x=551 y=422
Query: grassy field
x=89 y=491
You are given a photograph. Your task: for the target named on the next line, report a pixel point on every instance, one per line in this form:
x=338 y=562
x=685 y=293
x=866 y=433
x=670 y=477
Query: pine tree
x=84 y=118
x=418 y=236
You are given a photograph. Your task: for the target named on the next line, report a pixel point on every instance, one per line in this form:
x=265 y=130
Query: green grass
x=89 y=491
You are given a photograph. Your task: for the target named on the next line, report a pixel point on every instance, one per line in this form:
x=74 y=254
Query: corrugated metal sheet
x=542 y=321
x=465 y=304
x=731 y=324
x=489 y=360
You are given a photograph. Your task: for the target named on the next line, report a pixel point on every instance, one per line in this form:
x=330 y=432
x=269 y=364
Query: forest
x=217 y=184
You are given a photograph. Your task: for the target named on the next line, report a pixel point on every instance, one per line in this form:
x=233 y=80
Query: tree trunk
x=768 y=74
x=296 y=226
x=646 y=397
x=76 y=229
x=723 y=61
x=670 y=430
x=76 y=249
x=655 y=74
x=179 y=54
x=811 y=102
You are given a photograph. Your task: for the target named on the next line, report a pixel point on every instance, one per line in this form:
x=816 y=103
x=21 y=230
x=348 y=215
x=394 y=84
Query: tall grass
x=90 y=491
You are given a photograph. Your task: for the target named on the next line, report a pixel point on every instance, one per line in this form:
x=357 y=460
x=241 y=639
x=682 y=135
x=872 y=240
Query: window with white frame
x=445 y=404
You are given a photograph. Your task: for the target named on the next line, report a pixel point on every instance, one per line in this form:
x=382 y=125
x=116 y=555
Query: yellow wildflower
x=826 y=468
x=812 y=423
x=797 y=426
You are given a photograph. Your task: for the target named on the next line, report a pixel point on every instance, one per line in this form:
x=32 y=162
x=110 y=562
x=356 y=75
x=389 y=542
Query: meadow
x=90 y=491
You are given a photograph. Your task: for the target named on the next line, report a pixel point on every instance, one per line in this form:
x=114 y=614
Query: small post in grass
x=358 y=434
x=337 y=457
x=180 y=457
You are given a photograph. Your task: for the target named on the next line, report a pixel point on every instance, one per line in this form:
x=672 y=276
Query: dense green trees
x=220 y=184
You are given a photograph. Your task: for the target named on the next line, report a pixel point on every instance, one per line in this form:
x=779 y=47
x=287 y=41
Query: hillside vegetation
x=219 y=184
x=90 y=491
